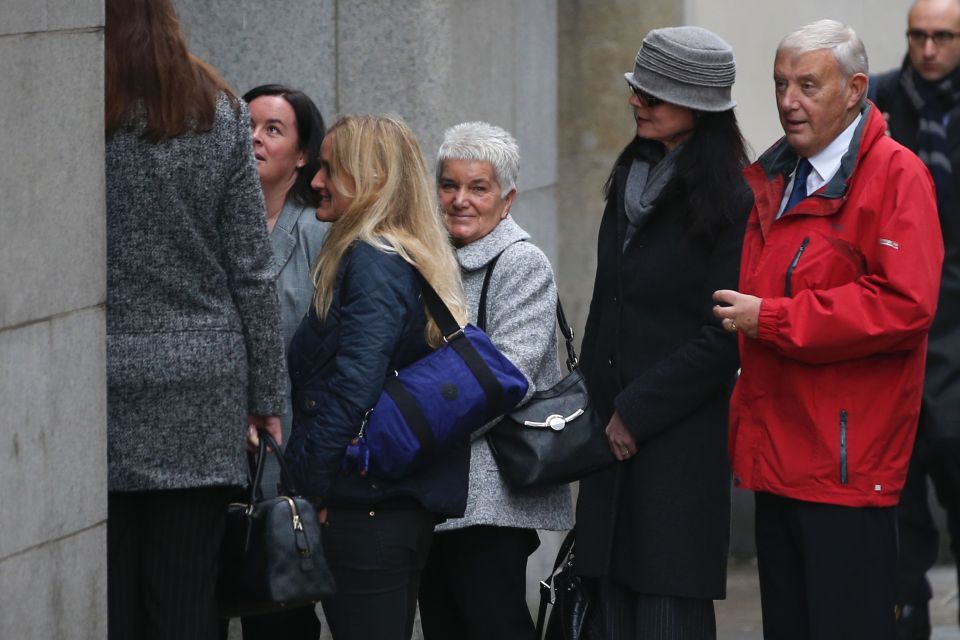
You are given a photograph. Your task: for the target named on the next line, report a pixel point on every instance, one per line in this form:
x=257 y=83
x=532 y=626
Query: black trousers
x=474 y=585
x=621 y=614
x=293 y=624
x=919 y=541
x=376 y=556
x=162 y=550
x=826 y=572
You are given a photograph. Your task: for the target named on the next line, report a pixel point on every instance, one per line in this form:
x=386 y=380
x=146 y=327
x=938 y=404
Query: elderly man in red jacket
x=838 y=288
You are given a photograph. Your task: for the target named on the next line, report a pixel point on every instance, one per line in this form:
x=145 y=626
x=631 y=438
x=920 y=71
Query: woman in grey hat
x=652 y=531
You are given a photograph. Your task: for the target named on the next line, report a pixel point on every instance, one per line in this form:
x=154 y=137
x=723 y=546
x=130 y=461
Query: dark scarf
x=934 y=101
x=645 y=183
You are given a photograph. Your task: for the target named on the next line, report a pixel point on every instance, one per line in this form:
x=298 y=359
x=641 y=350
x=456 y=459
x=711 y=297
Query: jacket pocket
x=788 y=282
x=843 y=446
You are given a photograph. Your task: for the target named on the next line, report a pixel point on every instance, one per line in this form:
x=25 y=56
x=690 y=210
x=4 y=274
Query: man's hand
x=620 y=439
x=270 y=423
x=738 y=311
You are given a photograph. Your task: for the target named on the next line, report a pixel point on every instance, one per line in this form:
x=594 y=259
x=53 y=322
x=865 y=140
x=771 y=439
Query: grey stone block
x=53 y=246
x=30 y=16
x=251 y=42
x=396 y=58
x=58 y=590
x=536 y=211
x=53 y=431
x=534 y=68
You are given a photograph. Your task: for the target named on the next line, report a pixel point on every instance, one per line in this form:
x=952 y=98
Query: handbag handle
x=286 y=480
x=546 y=585
x=565 y=330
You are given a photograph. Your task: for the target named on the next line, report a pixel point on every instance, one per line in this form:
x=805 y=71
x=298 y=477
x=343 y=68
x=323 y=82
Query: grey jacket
x=521 y=322
x=296 y=239
x=193 y=338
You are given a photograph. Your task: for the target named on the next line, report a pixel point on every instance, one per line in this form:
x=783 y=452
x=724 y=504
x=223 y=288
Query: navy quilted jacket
x=337 y=367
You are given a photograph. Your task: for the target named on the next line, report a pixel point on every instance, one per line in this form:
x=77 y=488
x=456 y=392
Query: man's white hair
x=846 y=45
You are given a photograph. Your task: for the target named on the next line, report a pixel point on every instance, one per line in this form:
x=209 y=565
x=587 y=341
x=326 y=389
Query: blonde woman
x=366 y=320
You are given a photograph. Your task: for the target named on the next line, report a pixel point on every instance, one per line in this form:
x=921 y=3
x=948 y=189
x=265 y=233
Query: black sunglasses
x=645 y=98
x=919 y=37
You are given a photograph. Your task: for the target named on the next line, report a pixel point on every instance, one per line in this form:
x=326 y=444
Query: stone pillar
x=52 y=322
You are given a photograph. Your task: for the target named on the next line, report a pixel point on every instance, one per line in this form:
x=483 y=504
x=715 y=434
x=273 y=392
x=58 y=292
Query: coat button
x=311 y=404
x=373 y=513
x=615 y=299
x=610 y=361
x=374 y=486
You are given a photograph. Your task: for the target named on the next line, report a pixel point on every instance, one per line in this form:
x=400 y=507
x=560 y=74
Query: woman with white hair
x=474 y=584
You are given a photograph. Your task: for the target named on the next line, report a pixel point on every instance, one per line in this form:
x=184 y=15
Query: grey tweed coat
x=521 y=322
x=193 y=338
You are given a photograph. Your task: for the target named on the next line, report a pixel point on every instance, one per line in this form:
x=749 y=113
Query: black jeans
x=162 y=552
x=376 y=555
x=826 y=572
x=474 y=584
x=293 y=624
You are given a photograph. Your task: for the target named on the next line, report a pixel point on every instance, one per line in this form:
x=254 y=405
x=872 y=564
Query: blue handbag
x=430 y=405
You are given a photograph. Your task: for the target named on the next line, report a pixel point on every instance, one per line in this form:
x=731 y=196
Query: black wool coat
x=659 y=522
x=940 y=416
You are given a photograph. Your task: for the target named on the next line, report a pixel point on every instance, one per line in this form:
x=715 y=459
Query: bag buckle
x=555 y=421
x=456 y=334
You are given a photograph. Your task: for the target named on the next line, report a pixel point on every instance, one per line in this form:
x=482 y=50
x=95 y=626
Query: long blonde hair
x=393 y=208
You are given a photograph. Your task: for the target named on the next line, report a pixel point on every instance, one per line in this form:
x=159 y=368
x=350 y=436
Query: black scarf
x=933 y=102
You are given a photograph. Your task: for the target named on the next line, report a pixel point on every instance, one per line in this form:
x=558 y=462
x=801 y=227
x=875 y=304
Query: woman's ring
x=733 y=326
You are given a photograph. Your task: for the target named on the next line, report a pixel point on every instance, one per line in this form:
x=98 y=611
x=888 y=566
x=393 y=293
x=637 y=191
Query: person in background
x=653 y=530
x=287 y=130
x=474 y=584
x=921 y=101
x=193 y=341
x=838 y=287
x=367 y=319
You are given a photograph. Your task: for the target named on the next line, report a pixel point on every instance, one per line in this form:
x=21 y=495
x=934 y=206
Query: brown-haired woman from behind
x=193 y=342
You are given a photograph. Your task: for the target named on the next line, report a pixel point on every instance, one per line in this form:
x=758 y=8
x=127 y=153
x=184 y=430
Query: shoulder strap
x=482 y=306
x=565 y=330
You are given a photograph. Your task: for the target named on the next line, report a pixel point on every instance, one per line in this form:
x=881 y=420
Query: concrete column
x=52 y=321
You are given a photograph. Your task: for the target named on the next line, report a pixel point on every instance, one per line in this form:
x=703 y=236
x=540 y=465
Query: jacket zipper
x=788 y=287
x=843 y=446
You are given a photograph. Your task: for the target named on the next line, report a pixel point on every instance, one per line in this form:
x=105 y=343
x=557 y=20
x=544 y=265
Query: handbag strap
x=565 y=330
x=286 y=480
x=546 y=585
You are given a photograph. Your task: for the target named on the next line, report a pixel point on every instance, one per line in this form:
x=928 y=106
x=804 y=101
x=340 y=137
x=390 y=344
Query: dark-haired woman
x=287 y=130
x=652 y=531
x=194 y=353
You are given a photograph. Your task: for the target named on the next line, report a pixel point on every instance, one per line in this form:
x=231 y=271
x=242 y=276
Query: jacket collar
x=283 y=237
x=480 y=252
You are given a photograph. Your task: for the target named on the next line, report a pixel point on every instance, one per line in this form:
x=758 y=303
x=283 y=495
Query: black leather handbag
x=556 y=437
x=570 y=598
x=271 y=557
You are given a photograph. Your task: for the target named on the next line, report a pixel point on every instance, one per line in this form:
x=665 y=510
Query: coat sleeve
x=247 y=258
x=374 y=309
x=521 y=316
x=702 y=367
x=888 y=309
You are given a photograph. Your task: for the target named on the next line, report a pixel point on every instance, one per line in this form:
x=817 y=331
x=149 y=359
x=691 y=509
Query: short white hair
x=484 y=142
x=843 y=41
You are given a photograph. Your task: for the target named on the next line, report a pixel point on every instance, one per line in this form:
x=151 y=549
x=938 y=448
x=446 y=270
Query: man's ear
x=858 y=88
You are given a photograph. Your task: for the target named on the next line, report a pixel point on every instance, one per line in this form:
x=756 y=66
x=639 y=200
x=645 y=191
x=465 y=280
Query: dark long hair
x=708 y=172
x=149 y=70
x=310 y=132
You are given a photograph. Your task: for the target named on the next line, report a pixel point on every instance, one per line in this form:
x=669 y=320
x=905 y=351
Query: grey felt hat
x=688 y=66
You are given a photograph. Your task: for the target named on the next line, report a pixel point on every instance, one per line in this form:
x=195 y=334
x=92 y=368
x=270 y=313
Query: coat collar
x=479 y=252
x=283 y=238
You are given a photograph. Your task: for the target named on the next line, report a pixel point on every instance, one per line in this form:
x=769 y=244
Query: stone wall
x=52 y=327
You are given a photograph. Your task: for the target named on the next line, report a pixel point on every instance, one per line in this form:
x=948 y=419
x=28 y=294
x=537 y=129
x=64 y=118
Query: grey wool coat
x=521 y=322
x=193 y=337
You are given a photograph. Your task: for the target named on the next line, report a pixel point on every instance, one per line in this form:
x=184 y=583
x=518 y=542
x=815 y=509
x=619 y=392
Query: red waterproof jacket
x=826 y=407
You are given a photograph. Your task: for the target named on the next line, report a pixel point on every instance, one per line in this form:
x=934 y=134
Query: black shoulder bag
x=557 y=436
